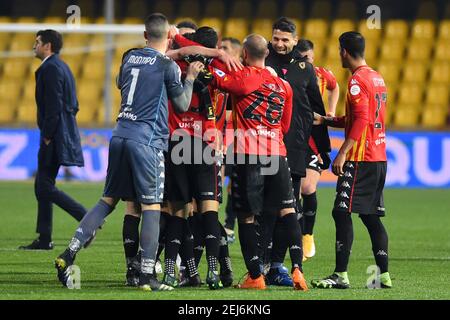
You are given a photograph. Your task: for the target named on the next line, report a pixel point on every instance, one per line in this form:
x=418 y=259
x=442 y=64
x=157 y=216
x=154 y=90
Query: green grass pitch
x=418 y=223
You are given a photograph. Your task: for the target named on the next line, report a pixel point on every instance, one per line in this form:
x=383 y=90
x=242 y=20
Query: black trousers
x=47 y=194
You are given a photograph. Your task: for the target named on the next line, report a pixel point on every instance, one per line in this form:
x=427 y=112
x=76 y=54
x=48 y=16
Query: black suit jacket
x=57 y=106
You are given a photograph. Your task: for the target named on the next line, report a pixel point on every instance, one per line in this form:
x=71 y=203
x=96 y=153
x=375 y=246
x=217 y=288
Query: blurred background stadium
x=411 y=50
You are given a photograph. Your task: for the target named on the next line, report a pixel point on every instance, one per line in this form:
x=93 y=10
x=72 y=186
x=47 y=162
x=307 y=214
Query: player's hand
x=173 y=31
x=232 y=63
x=331 y=114
x=338 y=164
x=194 y=69
x=47 y=141
x=318 y=119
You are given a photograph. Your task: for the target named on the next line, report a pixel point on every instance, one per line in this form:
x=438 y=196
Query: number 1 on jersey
x=135 y=74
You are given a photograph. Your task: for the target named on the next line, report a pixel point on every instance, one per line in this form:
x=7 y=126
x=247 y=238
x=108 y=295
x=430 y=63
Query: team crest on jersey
x=302 y=65
x=220 y=73
x=355 y=89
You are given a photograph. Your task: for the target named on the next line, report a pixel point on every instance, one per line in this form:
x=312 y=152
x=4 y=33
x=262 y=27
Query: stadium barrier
x=416 y=159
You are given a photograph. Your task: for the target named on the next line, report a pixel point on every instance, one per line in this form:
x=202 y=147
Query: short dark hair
x=206 y=36
x=53 y=37
x=286 y=25
x=354 y=43
x=187 y=24
x=234 y=41
x=304 y=45
x=156 y=26
x=256 y=46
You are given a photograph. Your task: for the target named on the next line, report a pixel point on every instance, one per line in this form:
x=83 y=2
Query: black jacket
x=307 y=99
x=57 y=106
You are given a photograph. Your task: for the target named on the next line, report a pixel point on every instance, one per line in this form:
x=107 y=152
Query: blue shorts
x=135 y=172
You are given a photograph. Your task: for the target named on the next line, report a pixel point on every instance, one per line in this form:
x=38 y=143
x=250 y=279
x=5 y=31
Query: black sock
x=249 y=248
x=130 y=236
x=212 y=236
x=267 y=222
x=195 y=224
x=165 y=217
x=174 y=235
x=279 y=244
x=224 y=254
x=187 y=250
x=344 y=239
x=292 y=237
x=379 y=238
x=296 y=185
x=309 y=212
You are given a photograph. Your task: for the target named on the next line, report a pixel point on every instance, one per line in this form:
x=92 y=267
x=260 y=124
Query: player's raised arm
x=181 y=94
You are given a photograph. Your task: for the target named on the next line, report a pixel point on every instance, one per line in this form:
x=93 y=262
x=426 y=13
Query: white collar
x=46 y=59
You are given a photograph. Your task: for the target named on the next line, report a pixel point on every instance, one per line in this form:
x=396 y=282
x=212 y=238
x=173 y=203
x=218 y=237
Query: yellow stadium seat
x=340 y=73
x=29 y=91
x=236 y=27
x=339 y=26
x=26 y=20
x=434 y=117
x=215 y=23
x=332 y=51
x=89 y=90
x=423 y=30
x=442 y=51
x=397 y=30
x=320 y=9
x=5 y=19
x=444 y=30
x=316 y=29
x=7 y=109
x=294 y=8
x=437 y=94
x=440 y=72
x=214 y=9
x=390 y=71
x=189 y=8
x=241 y=9
x=410 y=94
x=74 y=62
x=132 y=20
x=165 y=7
x=93 y=69
x=22 y=42
x=418 y=50
x=27 y=112
x=124 y=42
x=392 y=50
x=263 y=27
x=15 y=68
x=10 y=89
x=371 y=53
x=371 y=35
x=53 y=19
x=267 y=9
x=405 y=116
x=414 y=72
x=347 y=9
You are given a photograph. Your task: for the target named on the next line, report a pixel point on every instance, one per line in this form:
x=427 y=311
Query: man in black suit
x=57 y=106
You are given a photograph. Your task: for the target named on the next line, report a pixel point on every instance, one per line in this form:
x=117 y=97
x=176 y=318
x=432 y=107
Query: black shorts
x=297 y=162
x=135 y=172
x=189 y=178
x=360 y=189
x=313 y=161
x=253 y=192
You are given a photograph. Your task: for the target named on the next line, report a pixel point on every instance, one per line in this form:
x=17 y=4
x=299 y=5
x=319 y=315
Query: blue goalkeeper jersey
x=146 y=80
